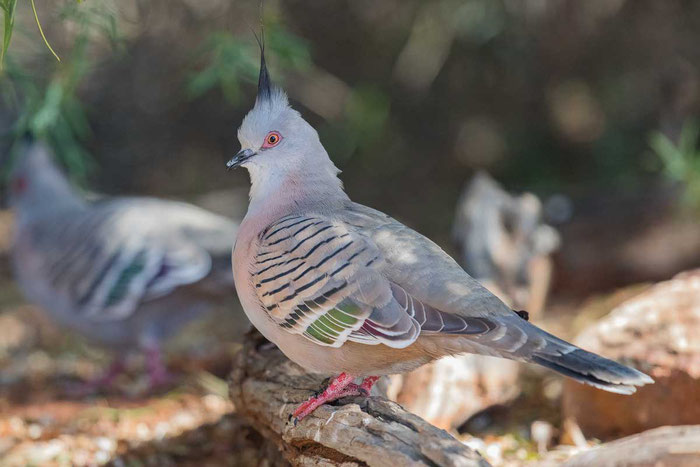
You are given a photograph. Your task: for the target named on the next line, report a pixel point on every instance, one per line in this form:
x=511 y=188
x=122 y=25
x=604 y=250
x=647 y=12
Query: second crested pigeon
x=345 y=290
x=124 y=272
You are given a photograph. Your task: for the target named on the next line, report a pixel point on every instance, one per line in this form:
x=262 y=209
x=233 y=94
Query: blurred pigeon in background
x=124 y=272
x=504 y=243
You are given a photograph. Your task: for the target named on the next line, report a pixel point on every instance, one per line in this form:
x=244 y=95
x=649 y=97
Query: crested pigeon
x=124 y=272
x=345 y=290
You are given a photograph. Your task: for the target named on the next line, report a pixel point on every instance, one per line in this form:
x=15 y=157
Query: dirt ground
x=192 y=422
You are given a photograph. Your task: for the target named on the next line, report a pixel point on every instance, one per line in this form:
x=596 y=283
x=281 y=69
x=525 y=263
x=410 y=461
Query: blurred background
x=592 y=108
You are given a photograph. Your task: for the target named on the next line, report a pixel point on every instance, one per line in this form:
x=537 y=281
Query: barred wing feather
x=320 y=278
x=106 y=271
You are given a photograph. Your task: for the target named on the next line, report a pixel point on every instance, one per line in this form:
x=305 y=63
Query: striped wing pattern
x=434 y=321
x=105 y=272
x=306 y=272
x=321 y=279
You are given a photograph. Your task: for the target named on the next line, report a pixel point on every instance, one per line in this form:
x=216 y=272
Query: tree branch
x=266 y=387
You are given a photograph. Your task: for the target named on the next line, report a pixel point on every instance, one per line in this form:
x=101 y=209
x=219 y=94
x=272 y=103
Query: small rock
x=542 y=433
x=34 y=431
x=657 y=332
x=105 y=444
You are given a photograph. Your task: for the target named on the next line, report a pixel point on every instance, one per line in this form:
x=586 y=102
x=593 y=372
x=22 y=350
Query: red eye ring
x=272 y=139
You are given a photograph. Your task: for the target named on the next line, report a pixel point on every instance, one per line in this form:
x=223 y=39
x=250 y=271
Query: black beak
x=242 y=156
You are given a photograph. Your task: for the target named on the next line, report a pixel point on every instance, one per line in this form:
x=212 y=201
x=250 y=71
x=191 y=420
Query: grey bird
x=124 y=272
x=343 y=289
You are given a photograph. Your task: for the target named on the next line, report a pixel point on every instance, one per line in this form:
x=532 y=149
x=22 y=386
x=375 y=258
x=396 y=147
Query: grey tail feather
x=594 y=370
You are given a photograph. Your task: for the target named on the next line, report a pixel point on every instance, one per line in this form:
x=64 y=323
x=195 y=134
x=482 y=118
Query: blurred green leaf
x=48 y=106
x=230 y=61
x=367 y=111
x=291 y=51
x=8 y=8
x=363 y=124
x=681 y=161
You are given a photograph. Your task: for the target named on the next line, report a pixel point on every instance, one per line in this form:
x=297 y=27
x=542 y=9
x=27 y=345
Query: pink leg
x=367 y=383
x=341 y=386
x=157 y=372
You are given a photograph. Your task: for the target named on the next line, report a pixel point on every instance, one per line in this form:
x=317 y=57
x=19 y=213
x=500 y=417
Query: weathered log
x=675 y=446
x=266 y=387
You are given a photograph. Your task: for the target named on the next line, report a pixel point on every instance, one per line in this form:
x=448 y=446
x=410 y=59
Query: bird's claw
x=292 y=419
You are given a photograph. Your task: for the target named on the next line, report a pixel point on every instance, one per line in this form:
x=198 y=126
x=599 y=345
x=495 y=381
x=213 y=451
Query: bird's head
x=277 y=143
x=35 y=181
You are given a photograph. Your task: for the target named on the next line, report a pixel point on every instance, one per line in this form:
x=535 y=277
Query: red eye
x=272 y=139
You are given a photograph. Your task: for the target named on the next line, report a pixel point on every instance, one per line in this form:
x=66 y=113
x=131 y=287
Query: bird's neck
x=47 y=196
x=274 y=194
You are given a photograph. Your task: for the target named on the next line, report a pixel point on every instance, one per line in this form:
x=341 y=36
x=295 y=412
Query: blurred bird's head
x=35 y=182
x=277 y=144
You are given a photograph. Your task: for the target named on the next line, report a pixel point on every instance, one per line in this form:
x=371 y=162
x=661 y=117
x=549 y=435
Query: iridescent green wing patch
x=121 y=286
x=328 y=327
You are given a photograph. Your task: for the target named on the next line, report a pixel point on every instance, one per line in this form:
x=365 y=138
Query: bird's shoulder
x=421 y=267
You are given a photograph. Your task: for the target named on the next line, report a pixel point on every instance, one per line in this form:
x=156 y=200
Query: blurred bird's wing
x=319 y=277
x=107 y=261
x=192 y=227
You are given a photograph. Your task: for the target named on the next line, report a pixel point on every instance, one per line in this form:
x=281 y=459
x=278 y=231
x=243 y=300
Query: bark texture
x=266 y=387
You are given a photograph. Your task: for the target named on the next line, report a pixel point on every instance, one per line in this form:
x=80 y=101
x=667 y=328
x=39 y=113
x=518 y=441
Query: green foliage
x=362 y=124
x=51 y=112
x=8 y=8
x=50 y=109
x=8 y=12
x=230 y=60
x=366 y=112
x=681 y=161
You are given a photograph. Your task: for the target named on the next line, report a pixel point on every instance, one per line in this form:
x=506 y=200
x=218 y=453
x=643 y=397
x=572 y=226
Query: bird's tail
x=592 y=369
x=581 y=365
x=514 y=337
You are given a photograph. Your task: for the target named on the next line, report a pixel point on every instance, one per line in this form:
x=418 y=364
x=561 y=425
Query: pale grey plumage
x=340 y=287
x=126 y=272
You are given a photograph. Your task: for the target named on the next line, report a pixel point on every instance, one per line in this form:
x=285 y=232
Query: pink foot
x=157 y=373
x=341 y=386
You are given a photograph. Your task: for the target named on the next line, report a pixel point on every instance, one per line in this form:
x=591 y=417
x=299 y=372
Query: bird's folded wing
x=323 y=280
x=106 y=271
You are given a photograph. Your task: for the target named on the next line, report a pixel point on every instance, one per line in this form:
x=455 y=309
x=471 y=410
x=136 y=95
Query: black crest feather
x=264 y=82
